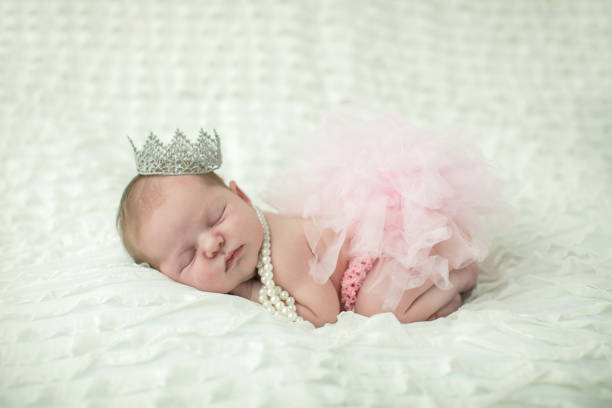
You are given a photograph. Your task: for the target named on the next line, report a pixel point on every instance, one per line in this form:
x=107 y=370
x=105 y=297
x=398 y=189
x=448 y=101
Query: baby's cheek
x=207 y=280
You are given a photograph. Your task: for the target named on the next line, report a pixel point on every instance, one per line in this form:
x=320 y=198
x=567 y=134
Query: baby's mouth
x=230 y=261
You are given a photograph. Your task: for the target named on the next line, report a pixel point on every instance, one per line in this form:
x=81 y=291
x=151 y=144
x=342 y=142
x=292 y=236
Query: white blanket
x=528 y=82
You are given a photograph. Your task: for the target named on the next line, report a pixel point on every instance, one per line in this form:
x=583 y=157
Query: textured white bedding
x=528 y=82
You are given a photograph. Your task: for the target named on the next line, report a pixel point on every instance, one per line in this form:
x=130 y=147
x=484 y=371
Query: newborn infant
x=200 y=232
x=371 y=216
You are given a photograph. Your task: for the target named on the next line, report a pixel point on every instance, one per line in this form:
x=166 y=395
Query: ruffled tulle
x=416 y=202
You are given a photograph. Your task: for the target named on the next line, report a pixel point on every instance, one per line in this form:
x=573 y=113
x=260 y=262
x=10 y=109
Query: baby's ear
x=236 y=190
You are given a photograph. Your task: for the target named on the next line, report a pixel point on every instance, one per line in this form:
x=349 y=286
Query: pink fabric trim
x=352 y=279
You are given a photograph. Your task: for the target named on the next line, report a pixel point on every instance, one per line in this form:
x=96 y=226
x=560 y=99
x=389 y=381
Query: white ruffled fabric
x=82 y=326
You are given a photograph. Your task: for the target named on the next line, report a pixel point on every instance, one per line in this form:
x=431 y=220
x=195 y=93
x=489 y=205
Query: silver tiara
x=180 y=156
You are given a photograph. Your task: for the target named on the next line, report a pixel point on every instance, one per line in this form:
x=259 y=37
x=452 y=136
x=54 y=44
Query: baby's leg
x=420 y=303
x=371 y=297
x=437 y=302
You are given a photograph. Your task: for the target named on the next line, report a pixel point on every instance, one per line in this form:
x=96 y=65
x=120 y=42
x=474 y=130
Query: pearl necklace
x=273 y=298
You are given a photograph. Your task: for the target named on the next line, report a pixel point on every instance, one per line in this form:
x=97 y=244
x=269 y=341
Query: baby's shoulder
x=290 y=251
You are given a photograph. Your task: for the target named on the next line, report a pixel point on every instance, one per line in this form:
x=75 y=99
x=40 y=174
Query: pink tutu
x=416 y=202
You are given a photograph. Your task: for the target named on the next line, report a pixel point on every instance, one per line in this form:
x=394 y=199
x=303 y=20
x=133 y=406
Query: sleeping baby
x=379 y=218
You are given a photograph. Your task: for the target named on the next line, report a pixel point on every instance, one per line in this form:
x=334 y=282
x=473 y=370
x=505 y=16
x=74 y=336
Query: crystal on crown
x=180 y=156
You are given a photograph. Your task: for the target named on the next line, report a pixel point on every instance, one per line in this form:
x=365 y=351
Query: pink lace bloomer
x=353 y=278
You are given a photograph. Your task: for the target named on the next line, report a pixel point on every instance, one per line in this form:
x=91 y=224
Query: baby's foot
x=447 y=309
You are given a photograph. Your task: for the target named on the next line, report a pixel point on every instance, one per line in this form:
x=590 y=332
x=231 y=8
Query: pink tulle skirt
x=417 y=202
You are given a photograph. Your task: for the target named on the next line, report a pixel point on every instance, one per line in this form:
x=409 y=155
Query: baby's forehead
x=152 y=191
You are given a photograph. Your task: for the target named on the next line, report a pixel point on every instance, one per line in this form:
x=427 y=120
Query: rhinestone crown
x=180 y=156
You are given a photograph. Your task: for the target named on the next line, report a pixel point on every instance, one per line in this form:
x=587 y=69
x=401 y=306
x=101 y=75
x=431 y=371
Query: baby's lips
x=227 y=258
x=230 y=256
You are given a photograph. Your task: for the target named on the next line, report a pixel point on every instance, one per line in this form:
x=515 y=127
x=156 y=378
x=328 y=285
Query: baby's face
x=200 y=234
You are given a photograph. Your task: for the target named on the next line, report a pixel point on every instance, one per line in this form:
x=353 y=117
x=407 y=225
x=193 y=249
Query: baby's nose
x=213 y=245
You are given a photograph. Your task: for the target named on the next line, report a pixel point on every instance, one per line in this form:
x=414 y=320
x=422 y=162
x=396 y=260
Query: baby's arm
x=318 y=304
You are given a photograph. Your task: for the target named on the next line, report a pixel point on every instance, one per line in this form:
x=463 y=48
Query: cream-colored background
x=528 y=82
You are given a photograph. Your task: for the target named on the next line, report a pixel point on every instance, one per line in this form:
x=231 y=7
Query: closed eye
x=220 y=217
x=191 y=258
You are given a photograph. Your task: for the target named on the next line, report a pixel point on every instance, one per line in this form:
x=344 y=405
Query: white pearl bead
x=273 y=297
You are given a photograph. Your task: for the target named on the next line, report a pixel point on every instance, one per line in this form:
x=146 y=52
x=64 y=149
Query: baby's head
x=193 y=228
